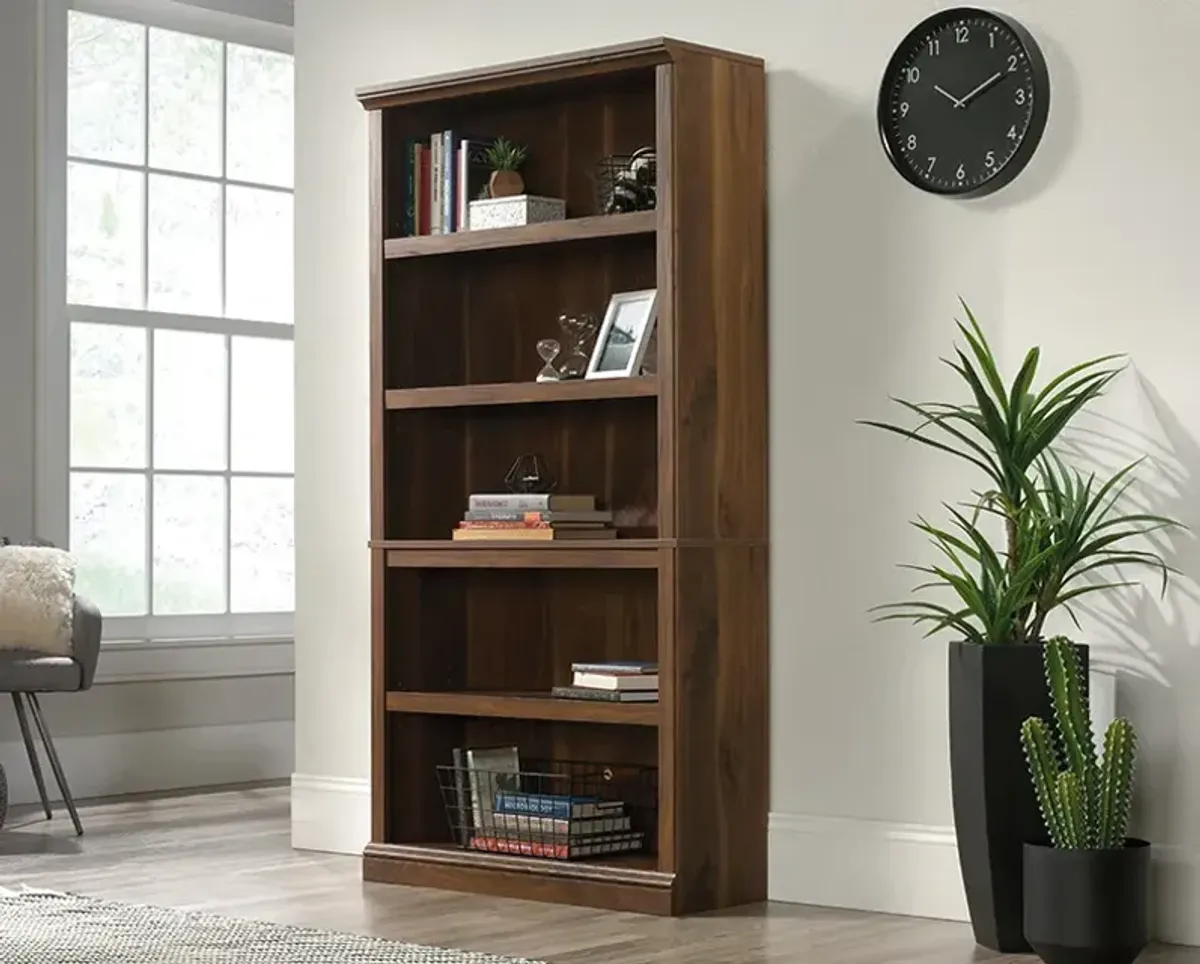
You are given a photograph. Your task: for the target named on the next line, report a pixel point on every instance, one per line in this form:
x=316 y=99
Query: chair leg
x=31 y=751
x=40 y=721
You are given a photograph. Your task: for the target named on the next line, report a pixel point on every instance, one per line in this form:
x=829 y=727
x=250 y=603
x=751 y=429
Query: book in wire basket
x=554 y=810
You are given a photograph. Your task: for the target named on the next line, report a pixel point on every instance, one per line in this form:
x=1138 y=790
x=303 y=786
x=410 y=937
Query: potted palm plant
x=1087 y=888
x=1036 y=537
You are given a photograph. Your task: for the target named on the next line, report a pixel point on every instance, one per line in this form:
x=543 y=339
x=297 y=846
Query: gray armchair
x=26 y=674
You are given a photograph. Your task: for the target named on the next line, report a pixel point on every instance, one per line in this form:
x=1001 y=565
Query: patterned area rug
x=42 y=928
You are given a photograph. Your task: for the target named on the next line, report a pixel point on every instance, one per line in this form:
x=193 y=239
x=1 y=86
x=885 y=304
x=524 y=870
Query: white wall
x=18 y=264
x=1093 y=250
x=207 y=716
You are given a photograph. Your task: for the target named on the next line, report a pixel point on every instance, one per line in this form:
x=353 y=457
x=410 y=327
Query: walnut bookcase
x=468 y=639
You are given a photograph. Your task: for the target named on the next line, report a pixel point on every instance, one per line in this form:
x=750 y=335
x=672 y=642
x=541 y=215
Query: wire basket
x=556 y=810
x=626 y=182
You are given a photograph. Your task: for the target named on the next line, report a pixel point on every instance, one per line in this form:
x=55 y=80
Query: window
x=174 y=347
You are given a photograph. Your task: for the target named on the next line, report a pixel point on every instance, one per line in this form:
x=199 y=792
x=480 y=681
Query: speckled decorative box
x=512 y=212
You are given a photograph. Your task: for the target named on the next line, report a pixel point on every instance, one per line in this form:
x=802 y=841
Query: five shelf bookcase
x=468 y=639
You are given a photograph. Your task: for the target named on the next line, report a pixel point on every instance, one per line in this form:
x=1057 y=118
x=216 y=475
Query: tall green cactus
x=1086 y=804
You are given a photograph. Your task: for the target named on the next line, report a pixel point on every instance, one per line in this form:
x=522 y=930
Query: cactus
x=1084 y=802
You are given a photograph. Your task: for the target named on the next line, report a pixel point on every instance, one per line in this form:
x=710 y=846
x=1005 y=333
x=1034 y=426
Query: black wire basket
x=555 y=810
x=627 y=182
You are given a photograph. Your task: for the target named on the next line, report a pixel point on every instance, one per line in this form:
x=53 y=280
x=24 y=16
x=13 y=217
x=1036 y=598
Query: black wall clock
x=963 y=102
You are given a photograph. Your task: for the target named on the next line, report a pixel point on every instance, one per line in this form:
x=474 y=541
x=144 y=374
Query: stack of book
x=441 y=176
x=494 y=811
x=534 y=517
x=618 y=682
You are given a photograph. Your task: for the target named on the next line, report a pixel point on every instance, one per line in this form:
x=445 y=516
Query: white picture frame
x=630 y=317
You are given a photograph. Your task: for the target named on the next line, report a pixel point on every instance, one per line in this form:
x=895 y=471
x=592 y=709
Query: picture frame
x=624 y=334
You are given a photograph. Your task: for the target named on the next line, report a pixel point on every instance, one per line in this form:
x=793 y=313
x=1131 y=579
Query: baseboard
x=912 y=869
x=113 y=764
x=331 y=814
x=891 y=868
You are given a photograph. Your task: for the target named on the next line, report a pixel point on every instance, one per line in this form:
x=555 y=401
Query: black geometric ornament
x=528 y=475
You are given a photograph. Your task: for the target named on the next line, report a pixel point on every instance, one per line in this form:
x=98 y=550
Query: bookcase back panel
x=567 y=128
x=476 y=317
x=508 y=630
x=419 y=744
x=436 y=458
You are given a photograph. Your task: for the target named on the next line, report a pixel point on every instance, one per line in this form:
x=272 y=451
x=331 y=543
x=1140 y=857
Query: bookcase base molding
x=608 y=886
x=500 y=650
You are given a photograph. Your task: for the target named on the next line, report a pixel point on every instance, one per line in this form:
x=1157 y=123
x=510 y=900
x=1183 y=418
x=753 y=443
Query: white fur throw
x=37 y=587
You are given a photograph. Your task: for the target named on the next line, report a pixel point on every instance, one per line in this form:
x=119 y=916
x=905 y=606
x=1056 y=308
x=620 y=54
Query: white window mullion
x=146 y=169
x=149 y=472
x=224 y=151
x=228 y=474
x=131 y=318
x=187 y=175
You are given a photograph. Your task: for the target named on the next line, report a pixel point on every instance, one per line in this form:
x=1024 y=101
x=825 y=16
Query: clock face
x=963 y=102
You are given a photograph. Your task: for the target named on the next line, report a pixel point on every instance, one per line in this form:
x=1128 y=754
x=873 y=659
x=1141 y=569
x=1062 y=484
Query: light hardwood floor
x=230 y=853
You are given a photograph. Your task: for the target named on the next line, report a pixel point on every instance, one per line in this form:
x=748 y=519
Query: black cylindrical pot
x=993 y=690
x=1088 y=906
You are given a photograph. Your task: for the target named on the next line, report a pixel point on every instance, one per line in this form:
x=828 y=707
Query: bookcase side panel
x=721 y=727
x=379 y=734
x=718 y=185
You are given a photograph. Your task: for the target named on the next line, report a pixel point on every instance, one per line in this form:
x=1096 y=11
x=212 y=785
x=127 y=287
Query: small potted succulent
x=505 y=159
x=1087 y=888
x=502 y=202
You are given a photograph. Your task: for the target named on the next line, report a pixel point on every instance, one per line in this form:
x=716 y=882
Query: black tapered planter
x=1088 y=906
x=993 y=690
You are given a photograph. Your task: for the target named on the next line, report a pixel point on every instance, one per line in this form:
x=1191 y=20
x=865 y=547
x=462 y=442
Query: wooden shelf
x=549 y=232
x=629 y=882
x=520 y=393
x=523 y=706
x=569 y=554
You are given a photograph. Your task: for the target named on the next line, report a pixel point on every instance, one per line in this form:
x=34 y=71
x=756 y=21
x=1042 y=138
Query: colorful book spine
x=616 y=844
x=448 y=178
x=600 y=516
x=435 y=184
x=411 y=181
x=616 y=666
x=520 y=823
x=546 y=805
x=604 y=696
x=531 y=502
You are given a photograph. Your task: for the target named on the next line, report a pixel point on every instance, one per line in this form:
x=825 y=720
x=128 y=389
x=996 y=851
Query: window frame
x=52 y=456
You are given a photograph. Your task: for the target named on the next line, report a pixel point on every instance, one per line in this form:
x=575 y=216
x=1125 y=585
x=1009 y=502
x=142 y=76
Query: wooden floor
x=230 y=853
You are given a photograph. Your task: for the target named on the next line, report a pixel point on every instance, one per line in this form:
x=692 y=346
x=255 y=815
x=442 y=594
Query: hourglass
x=548 y=349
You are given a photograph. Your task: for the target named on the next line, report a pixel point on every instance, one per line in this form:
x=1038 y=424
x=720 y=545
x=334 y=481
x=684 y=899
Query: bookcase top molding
x=542 y=70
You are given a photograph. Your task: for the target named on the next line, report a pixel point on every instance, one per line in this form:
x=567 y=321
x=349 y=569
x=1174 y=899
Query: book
x=412 y=183
x=435 y=184
x=462 y=798
x=449 y=177
x=625 y=682
x=421 y=202
x=603 y=516
x=611 y=696
x=521 y=526
x=491 y=770
x=473 y=174
x=625 y=666
x=610 y=844
x=560 y=806
x=531 y=535
x=524 y=823
x=531 y=502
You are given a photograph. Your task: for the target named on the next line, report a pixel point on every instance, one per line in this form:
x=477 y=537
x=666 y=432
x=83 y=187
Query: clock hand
x=947 y=94
x=980 y=89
